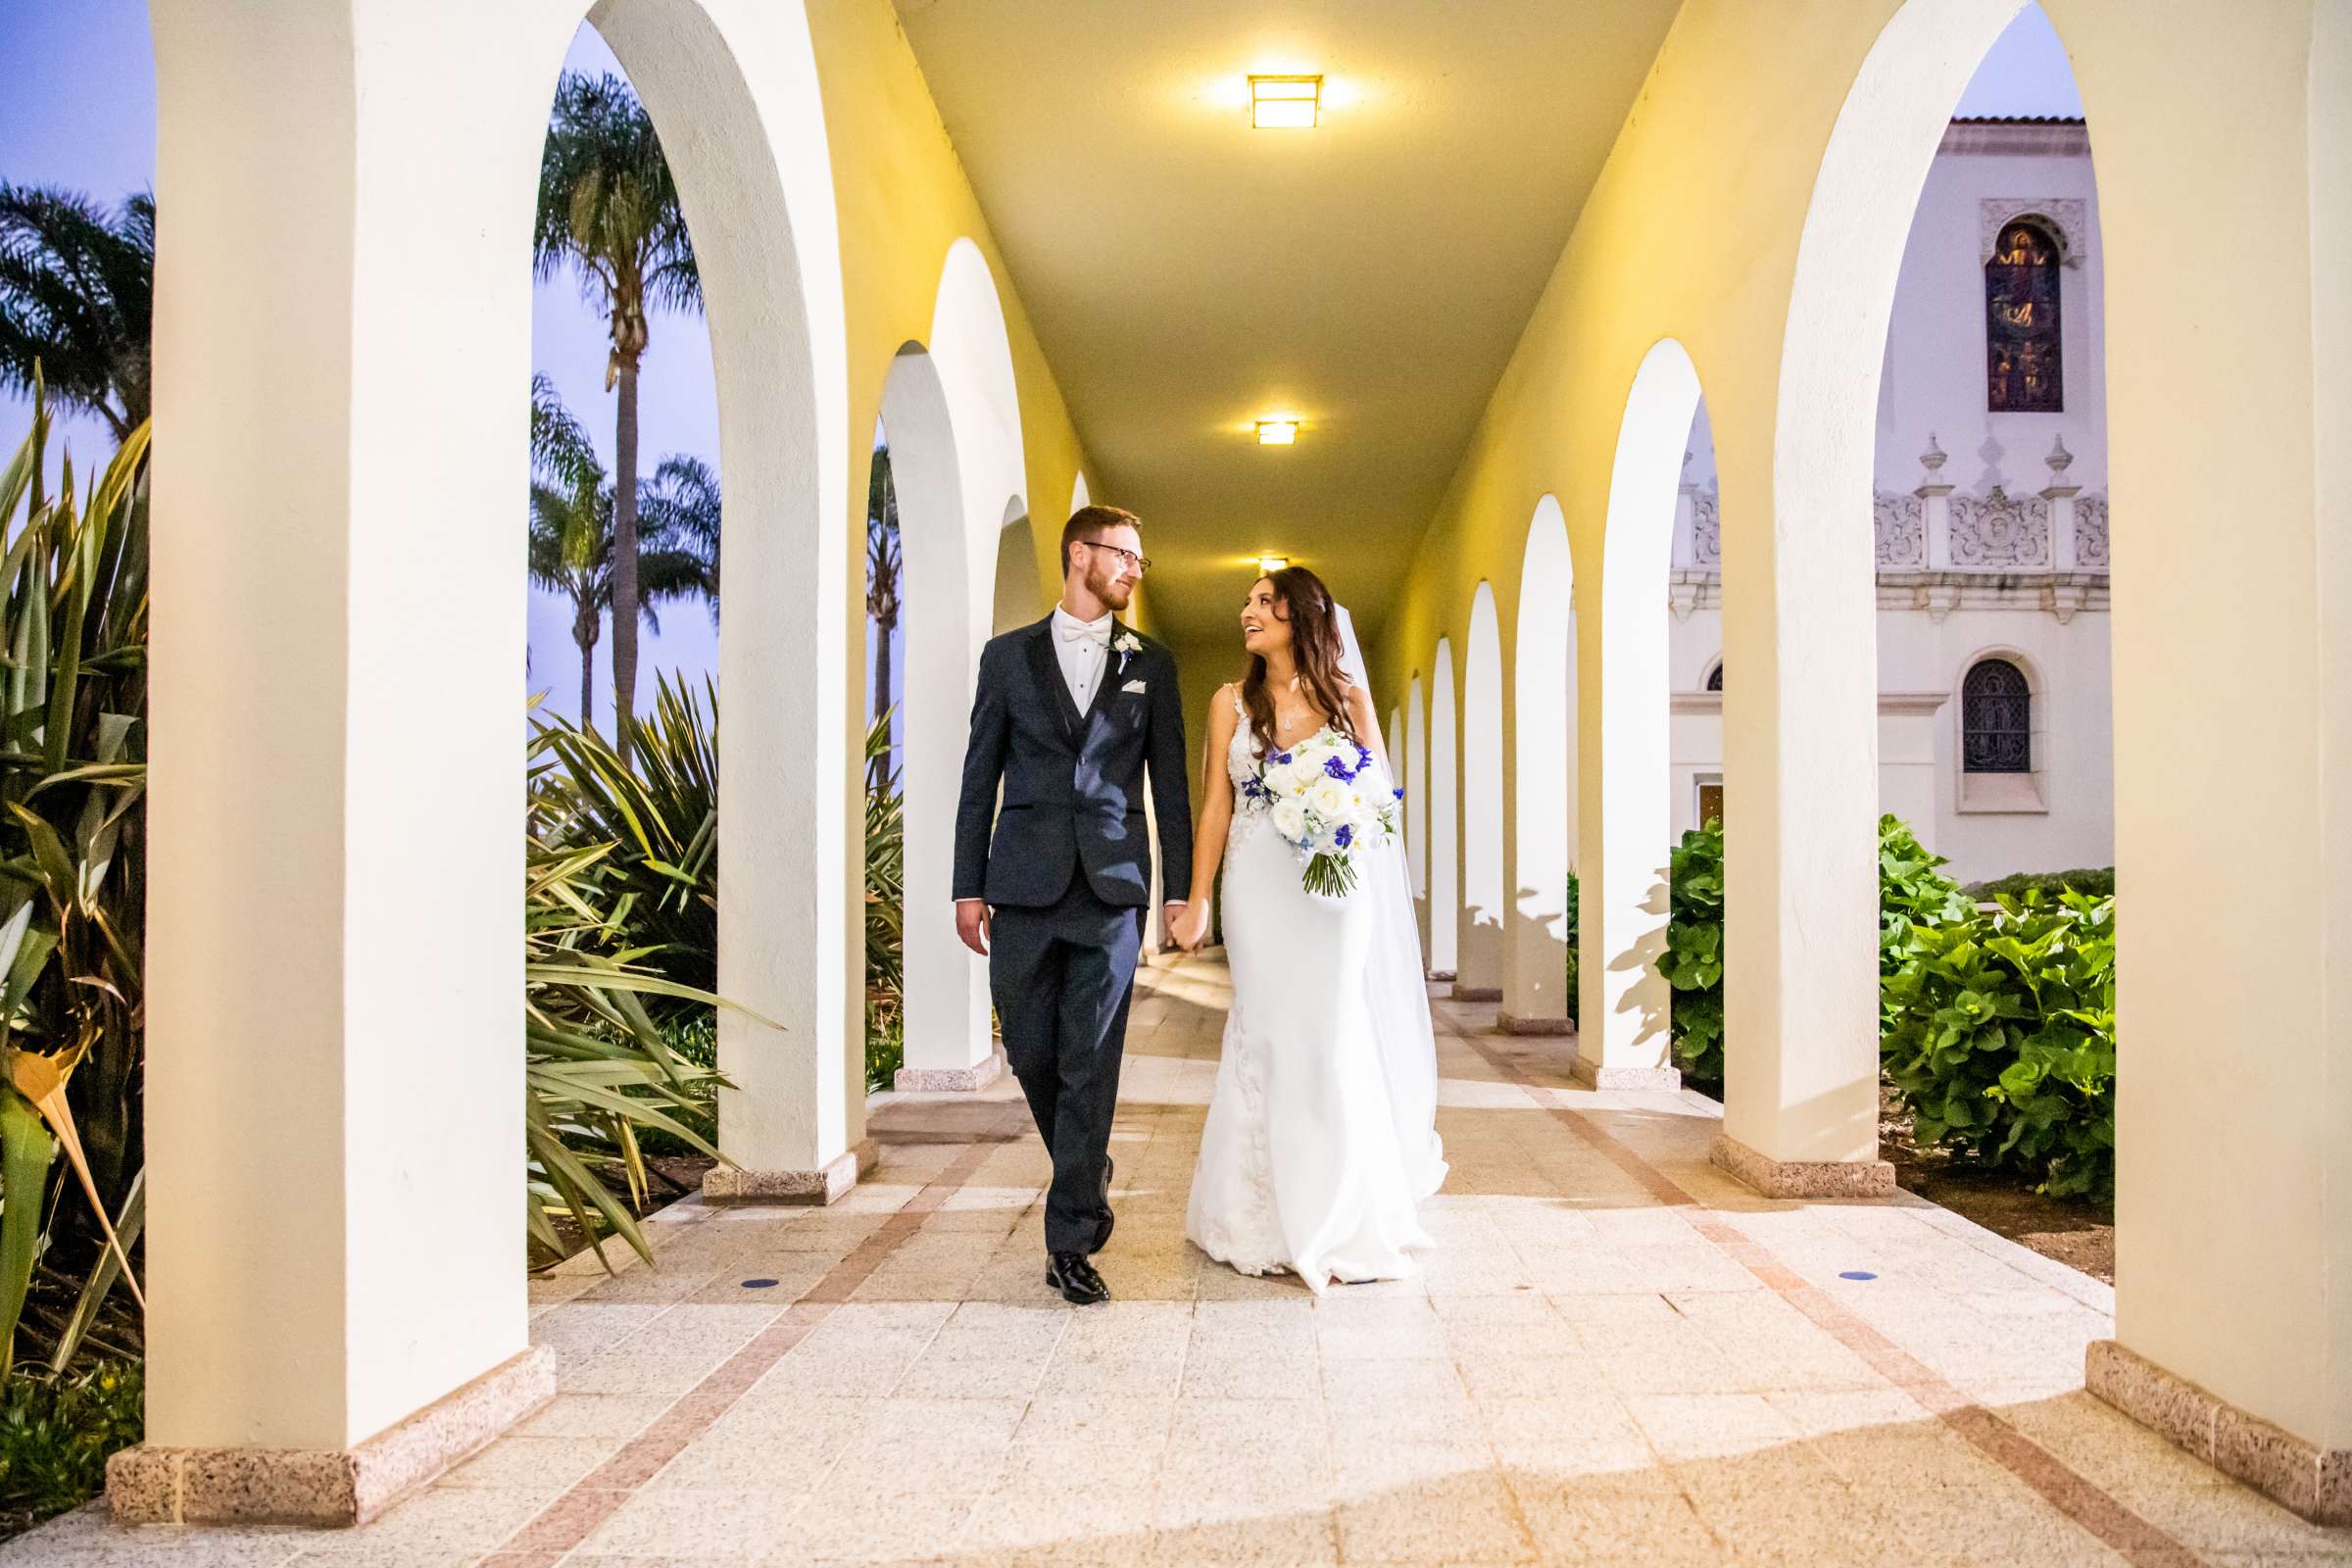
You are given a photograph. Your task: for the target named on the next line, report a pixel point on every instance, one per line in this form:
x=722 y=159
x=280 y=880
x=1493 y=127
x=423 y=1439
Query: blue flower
x=1338 y=770
x=1342 y=835
x=1397 y=792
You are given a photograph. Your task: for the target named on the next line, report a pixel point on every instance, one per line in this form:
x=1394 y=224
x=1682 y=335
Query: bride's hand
x=1192 y=926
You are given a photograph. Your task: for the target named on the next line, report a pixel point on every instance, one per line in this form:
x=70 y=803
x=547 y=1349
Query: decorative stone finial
x=1933 y=458
x=2059 y=460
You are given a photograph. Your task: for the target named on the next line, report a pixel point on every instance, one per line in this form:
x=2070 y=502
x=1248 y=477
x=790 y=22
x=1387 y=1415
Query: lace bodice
x=1241 y=753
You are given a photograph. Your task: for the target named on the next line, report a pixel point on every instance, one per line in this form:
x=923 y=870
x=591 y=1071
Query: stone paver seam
x=549 y=1536
x=2085 y=1503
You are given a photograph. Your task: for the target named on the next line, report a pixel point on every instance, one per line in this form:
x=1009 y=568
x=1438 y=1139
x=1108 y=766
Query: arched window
x=1997 y=719
x=1715 y=677
x=2021 y=323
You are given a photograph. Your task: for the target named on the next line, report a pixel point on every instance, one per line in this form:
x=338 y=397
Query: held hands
x=1188 y=924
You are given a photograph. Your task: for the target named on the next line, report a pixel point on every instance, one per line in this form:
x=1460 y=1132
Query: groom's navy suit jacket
x=1073 y=782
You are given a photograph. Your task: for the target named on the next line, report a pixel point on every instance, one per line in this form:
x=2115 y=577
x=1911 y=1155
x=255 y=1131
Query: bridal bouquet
x=1326 y=800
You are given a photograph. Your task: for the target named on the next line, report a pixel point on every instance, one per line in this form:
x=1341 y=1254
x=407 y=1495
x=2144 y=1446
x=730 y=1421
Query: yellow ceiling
x=1188 y=274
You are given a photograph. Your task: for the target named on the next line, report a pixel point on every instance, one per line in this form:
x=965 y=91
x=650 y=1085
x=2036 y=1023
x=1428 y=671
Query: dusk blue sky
x=78 y=110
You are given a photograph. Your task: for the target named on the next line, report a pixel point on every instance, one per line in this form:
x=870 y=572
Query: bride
x=1322 y=1131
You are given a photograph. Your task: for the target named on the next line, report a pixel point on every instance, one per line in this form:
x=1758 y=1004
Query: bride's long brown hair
x=1301 y=599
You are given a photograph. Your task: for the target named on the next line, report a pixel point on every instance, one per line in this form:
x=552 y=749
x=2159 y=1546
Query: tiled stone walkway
x=1619 y=1356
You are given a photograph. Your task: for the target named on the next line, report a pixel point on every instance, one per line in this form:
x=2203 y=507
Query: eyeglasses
x=1139 y=564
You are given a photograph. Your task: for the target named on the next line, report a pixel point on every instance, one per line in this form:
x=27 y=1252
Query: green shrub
x=1912 y=892
x=73 y=608
x=658 y=814
x=2098 y=882
x=1692 y=962
x=1998 y=1034
x=1569 y=929
x=885 y=912
x=56 y=1430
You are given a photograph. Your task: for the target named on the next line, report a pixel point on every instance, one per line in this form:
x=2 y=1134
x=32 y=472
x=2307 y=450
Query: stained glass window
x=2023 y=372
x=1997 y=719
x=1715 y=677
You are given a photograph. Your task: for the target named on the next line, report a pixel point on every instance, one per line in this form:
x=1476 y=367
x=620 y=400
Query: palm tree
x=608 y=210
x=882 y=563
x=573 y=543
x=77 y=298
x=681 y=504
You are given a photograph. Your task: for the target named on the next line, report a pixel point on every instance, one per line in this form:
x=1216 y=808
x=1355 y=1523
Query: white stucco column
x=335 y=1247
x=1624 y=1002
x=945 y=985
x=1478 y=944
x=1542 y=837
x=953 y=418
x=2233 y=756
x=334 y=1075
x=1444 y=816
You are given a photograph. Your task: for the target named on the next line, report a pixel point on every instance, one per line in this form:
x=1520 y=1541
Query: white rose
x=1290 y=818
x=1328 y=799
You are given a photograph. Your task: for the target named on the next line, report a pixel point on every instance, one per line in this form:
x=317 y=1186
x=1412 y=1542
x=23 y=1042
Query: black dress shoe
x=1105 y=1219
x=1075 y=1278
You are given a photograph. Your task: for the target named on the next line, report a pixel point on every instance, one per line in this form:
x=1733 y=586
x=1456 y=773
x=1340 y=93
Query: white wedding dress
x=1322 y=1130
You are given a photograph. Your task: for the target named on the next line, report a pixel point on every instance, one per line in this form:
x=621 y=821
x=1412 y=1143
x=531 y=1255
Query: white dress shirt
x=1083 y=646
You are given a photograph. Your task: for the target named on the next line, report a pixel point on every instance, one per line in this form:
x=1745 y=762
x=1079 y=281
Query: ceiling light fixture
x=1268 y=565
x=1285 y=103
x=1279 y=431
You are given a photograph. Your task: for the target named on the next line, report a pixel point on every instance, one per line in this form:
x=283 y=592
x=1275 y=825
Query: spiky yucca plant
x=73 y=785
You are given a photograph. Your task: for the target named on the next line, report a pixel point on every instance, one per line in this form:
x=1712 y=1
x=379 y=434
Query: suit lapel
x=1047 y=668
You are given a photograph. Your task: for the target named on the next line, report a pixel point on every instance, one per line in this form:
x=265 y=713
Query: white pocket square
x=1133 y=686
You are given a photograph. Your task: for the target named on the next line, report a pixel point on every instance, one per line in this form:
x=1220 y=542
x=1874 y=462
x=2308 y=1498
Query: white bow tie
x=1098 y=634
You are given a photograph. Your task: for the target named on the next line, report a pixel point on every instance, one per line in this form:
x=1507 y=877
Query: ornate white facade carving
x=1706 y=529
x=1899 y=520
x=2090 y=532
x=2000 y=533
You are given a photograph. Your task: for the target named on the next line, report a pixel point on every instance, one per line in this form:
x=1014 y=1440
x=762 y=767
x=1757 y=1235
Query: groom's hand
x=1170 y=914
x=971 y=924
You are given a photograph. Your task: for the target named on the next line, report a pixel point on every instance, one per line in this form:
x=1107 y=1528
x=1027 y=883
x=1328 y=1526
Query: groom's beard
x=1114 y=591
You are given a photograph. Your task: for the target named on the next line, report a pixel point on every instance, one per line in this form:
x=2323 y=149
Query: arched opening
x=1019 y=597
x=1624 y=1009
x=2200 y=1259
x=1444 y=818
x=1962 y=250
x=298 y=823
x=624 y=540
x=1479 y=951
x=1416 y=802
x=1543 y=760
x=953 y=417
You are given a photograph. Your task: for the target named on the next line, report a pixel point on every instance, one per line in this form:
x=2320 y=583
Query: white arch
x=1625 y=1001
x=1544 y=763
x=1799 y=621
x=973 y=426
x=1479 y=951
x=1019 y=598
x=1444 y=818
x=293 y=816
x=1079 y=496
x=1416 y=797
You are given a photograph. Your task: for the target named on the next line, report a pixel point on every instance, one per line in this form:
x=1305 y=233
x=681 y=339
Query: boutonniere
x=1127 y=643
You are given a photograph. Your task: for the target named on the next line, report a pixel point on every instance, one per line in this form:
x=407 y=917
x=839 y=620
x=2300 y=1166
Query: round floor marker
x=758 y=1285
x=1857 y=1274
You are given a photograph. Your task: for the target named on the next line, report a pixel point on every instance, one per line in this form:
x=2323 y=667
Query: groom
x=1069 y=714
